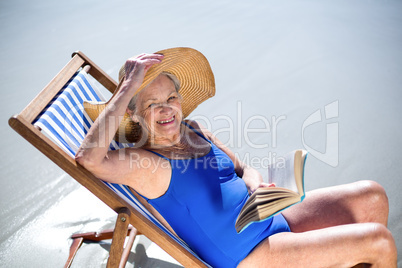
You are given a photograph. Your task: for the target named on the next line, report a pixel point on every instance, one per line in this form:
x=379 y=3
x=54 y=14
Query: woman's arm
x=93 y=153
x=251 y=177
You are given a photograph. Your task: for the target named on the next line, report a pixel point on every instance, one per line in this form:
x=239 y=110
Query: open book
x=288 y=177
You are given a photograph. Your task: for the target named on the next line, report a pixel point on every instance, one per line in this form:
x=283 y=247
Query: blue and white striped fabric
x=64 y=120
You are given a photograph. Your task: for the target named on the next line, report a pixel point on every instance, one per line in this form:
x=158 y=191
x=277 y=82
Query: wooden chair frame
x=22 y=123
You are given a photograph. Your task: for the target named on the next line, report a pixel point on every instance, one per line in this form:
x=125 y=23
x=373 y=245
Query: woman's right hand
x=136 y=68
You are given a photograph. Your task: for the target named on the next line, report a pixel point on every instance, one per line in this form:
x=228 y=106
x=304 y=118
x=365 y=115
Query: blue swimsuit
x=202 y=202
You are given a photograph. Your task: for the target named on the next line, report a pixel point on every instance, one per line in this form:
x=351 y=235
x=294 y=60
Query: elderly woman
x=196 y=186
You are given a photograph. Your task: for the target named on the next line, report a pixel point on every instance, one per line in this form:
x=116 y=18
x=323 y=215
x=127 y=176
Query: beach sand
x=319 y=75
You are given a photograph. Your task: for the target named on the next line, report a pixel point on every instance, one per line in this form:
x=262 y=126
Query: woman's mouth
x=166 y=121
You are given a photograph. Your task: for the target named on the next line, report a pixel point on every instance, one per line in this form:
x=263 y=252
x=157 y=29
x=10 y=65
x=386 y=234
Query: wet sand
x=276 y=64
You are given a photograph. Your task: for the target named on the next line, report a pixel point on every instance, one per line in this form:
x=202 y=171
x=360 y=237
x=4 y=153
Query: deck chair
x=55 y=123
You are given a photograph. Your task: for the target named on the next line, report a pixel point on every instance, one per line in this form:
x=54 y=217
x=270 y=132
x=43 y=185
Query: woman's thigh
x=358 y=202
x=339 y=246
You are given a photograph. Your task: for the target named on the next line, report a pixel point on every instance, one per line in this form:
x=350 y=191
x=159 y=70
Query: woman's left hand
x=262 y=185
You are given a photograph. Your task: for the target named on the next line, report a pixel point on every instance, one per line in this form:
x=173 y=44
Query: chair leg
x=119 y=236
x=77 y=242
x=127 y=249
x=117 y=256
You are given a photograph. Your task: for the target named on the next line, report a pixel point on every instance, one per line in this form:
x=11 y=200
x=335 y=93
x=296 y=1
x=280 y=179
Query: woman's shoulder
x=199 y=127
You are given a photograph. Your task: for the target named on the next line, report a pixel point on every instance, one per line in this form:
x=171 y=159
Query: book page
x=282 y=173
x=299 y=162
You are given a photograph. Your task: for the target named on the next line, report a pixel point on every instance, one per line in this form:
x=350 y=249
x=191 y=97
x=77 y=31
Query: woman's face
x=159 y=108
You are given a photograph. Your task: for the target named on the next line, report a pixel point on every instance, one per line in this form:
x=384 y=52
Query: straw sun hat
x=197 y=84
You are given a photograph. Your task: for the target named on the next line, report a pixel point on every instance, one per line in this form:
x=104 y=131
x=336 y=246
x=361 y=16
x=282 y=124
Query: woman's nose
x=165 y=107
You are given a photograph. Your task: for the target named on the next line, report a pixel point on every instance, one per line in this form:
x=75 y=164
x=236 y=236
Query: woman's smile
x=167 y=121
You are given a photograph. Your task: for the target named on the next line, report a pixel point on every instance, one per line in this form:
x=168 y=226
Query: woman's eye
x=171 y=98
x=152 y=105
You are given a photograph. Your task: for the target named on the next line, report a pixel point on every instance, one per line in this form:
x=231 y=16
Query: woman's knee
x=381 y=241
x=373 y=190
x=371 y=202
x=376 y=195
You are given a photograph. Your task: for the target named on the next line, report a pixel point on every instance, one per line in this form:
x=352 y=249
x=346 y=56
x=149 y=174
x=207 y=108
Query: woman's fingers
x=151 y=59
x=145 y=58
x=264 y=184
x=136 y=67
x=142 y=61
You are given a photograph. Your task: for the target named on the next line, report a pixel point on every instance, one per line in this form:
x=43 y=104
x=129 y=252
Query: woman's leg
x=358 y=202
x=338 y=226
x=339 y=246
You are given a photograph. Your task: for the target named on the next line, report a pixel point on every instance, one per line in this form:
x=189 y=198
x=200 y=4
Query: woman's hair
x=132 y=104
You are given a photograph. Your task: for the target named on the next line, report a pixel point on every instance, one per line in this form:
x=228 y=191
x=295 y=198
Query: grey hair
x=132 y=104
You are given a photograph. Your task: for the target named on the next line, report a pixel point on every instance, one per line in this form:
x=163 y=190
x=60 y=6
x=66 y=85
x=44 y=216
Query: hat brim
x=197 y=84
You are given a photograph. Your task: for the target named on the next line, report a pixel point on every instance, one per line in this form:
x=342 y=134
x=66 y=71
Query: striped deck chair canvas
x=64 y=121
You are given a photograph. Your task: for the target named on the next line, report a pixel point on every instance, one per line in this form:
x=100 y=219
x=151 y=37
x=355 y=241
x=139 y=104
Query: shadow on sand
x=140 y=259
